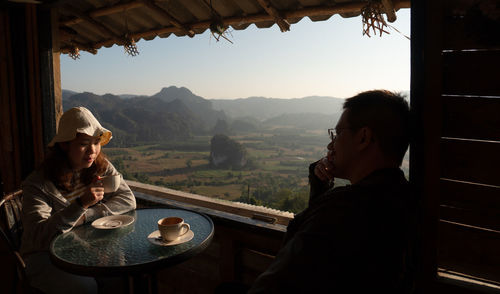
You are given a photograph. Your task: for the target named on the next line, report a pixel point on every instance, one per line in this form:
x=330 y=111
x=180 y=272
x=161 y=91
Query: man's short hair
x=387 y=114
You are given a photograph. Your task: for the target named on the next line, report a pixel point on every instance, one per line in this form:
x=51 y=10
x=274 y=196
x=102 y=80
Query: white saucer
x=154 y=238
x=112 y=222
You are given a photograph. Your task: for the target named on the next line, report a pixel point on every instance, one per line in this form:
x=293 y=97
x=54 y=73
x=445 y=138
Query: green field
x=278 y=166
x=276 y=175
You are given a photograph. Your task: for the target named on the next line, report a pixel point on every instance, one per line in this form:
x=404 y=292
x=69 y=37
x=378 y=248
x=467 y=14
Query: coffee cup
x=172 y=228
x=111 y=183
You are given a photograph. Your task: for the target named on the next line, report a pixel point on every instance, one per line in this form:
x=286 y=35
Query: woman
x=66 y=192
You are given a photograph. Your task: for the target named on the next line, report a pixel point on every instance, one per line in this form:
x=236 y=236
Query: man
x=353 y=239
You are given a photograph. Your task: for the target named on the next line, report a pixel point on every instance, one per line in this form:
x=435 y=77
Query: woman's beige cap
x=79 y=120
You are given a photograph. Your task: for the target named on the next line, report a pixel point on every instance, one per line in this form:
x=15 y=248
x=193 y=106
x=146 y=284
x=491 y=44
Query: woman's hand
x=80 y=221
x=324 y=170
x=94 y=194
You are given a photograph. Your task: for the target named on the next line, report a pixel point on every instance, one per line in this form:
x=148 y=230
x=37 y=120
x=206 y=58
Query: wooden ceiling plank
x=389 y=10
x=151 y=5
x=67 y=34
x=106 y=11
x=116 y=8
x=272 y=11
x=101 y=27
x=211 y=10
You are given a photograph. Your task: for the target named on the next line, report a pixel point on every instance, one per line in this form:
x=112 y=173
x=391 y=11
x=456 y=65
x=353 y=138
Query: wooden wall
x=27 y=120
x=455 y=61
x=28 y=99
x=469 y=228
x=234 y=255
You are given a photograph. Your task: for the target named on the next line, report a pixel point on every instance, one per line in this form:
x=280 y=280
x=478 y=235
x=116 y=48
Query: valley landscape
x=166 y=140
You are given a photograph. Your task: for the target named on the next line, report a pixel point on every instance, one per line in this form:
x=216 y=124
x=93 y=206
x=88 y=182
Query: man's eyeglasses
x=333 y=133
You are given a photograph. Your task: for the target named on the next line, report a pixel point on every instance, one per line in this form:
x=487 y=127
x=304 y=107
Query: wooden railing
x=166 y=195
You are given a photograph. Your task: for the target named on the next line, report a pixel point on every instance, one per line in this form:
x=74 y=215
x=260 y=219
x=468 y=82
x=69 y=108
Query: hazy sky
x=325 y=58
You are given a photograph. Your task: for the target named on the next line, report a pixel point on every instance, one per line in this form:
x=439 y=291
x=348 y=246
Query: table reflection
x=89 y=251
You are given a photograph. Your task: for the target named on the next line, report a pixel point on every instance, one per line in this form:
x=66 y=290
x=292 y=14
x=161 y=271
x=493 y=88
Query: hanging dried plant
x=130 y=46
x=217 y=27
x=218 y=30
x=373 y=19
x=74 y=53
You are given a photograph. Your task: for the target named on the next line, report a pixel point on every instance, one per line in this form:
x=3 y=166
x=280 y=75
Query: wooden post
x=51 y=76
x=56 y=68
x=426 y=107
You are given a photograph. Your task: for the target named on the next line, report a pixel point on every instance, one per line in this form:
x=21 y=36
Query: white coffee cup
x=172 y=228
x=111 y=182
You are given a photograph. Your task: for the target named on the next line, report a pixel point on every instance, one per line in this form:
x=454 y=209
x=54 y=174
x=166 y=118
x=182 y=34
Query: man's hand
x=324 y=170
x=94 y=194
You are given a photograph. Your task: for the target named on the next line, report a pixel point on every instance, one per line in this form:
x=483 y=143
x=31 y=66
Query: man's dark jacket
x=352 y=239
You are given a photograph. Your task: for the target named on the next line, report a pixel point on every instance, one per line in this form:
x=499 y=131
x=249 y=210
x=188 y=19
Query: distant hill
x=308 y=121
x=127 y=96
x=149 y=119
x=67 y=93
x=265 y=108
x=226 y=152
x=200 y=106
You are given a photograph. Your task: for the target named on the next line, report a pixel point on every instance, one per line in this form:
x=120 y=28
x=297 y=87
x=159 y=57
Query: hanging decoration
x=217 y=27
x=74 y=53
x=130 y=46
x=373 y=19
x=218 y=30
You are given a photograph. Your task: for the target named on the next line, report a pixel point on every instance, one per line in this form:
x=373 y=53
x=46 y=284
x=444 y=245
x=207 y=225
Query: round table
x=88 y=251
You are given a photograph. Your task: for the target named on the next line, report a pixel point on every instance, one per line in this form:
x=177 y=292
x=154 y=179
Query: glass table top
x=90 y=251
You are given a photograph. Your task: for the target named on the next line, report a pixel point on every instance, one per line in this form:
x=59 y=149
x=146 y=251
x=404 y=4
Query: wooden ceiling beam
x=151 y=5
x=272 y=11
x=83 y=47
x=389 y=10
x=310 y=11
x=339 y=9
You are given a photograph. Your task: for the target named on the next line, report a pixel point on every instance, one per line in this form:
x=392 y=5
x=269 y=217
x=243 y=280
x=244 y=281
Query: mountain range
x=177 y=113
